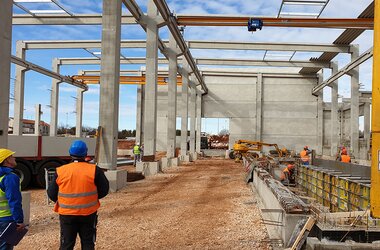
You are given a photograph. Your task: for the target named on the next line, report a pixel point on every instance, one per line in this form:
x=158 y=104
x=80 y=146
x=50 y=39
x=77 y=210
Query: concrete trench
x=282 y=210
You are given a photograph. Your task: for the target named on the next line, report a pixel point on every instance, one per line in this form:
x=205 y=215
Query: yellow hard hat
x=5 y=153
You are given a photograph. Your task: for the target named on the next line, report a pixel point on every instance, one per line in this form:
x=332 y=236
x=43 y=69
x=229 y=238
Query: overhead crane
x=336 y=23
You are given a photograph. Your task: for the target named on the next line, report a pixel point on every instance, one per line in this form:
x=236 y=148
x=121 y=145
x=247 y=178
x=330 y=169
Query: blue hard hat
x=78 y=148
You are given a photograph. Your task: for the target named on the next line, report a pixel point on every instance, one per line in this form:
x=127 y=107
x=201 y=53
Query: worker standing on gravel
x=137 y=153
x=10 y=195
x=305 y=155
x=76 y=190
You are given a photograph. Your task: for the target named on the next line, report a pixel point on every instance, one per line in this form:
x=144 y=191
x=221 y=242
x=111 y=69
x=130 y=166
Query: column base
x=117 y=179
x=193 y=156
x=148 y=168
x=169 y=162
x=185 y=158
x=26 y=206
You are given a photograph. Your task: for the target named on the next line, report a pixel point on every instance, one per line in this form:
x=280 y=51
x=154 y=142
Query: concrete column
x=319 y=149
x=150 y=107
x=79 y=113
x=5 y=67
x=199 y=122
x=193 y=107
x=334 y=112
x=354 y=104
x=109 y=83
x=19 y=91
x=172 y=98
x=54 y=99
x=185 y=108
x=367 y=126
x=37 y=120
x=259 y=102
x=140 y=114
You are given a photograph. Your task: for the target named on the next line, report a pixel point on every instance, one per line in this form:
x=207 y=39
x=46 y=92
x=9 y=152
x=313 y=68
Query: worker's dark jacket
x=100 y=180
x=10 y=185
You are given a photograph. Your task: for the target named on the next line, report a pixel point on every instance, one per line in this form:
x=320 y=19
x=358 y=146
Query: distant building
x=28 y=127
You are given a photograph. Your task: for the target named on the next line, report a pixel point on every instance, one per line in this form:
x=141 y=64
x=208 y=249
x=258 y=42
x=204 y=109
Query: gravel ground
x=202 y=205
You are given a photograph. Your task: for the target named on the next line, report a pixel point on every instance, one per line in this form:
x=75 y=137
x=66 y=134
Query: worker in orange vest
x=305 y=155
x=77 y=188
x=288 y=175
x=344 y=157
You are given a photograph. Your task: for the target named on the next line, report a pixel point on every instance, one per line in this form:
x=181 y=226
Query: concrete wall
x=288 y=114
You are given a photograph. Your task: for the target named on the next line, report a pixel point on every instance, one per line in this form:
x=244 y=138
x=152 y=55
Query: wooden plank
x=301 y=236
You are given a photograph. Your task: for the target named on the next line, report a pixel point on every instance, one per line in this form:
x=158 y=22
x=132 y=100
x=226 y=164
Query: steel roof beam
x=31 y=66
x=352 y=65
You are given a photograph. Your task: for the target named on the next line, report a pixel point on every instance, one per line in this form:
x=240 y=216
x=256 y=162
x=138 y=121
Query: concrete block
x=174 y=162
x=117 y=179
x=148 y=168
x=193 y=156
x=26 y=206
x=185 y=158
x=165 y=163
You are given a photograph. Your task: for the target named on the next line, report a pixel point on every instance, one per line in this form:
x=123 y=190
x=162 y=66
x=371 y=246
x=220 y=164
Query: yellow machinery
x=243 y=147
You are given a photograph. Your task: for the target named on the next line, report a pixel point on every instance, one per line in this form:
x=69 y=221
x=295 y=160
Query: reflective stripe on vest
x=78 y=193
x=136 y=150
x=304 y=156
x=4 y=205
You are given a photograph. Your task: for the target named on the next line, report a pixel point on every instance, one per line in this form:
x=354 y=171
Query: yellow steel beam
x=375 y=169
x=337 y=23
x=140 y=80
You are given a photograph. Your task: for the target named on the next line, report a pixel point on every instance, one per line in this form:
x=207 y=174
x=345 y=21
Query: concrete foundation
x=184 y=158
x=316 y=244
x=169 y=162
x=117 y=179
x=280 y=225
x=148 y=168
x=26 y=206
x=193 y=156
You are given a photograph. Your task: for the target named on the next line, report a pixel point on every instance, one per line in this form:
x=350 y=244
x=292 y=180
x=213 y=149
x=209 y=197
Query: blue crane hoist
x=254 y=24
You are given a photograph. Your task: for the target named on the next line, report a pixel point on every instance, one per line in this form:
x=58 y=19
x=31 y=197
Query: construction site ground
x=201 y=205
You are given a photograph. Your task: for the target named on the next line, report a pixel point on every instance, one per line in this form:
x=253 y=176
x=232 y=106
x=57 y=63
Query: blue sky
x=37 y=86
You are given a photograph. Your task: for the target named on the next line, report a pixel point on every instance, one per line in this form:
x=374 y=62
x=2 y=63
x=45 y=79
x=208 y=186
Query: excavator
x=244 y=147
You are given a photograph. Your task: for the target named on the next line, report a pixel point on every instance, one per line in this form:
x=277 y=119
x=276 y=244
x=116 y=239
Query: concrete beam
x=346 y=70
x=64 y=19
x=272 y=63
x=230 y=45
x=31 y=66
x=5 y=67
x=96 y=61
x=109 y=87
x=221 y=45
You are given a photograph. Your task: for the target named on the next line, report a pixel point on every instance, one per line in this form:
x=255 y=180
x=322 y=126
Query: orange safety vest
x=78 y=194
x=304 y=156
x=286 y=170
x=345 y=158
